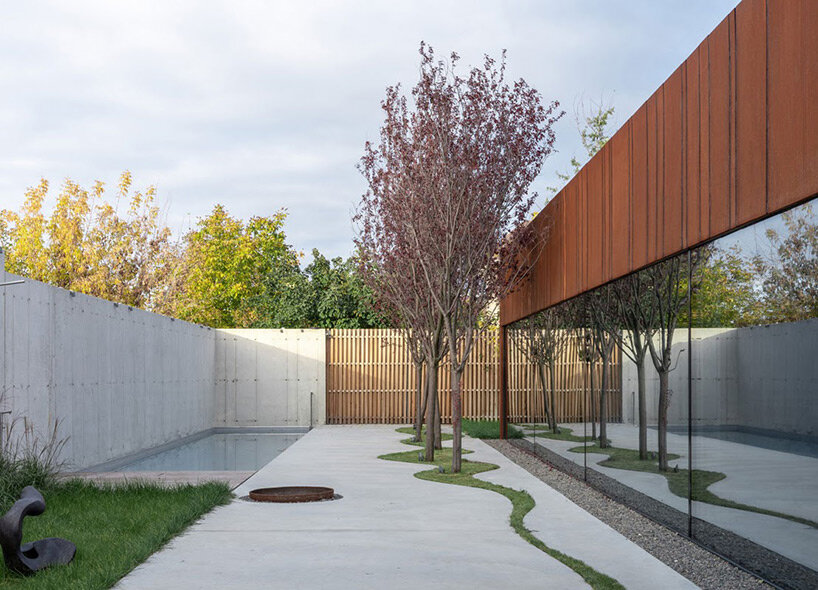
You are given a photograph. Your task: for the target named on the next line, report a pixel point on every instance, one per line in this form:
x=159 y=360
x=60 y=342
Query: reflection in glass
x=755 y=380
x=694 y=382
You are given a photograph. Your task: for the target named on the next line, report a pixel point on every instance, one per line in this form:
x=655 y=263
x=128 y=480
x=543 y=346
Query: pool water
x=218 y=452
x=764 y=441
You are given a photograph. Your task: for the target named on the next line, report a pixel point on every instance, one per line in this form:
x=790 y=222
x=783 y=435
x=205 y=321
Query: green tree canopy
x=325 y=294
x=222 y=265
x=87 y=244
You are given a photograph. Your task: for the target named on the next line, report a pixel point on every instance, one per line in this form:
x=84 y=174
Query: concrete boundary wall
x=120 y=380
x=117 y=379
x=270 y=377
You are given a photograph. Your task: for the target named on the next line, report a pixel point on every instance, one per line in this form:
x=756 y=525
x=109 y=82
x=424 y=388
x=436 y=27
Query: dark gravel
x=698 y=565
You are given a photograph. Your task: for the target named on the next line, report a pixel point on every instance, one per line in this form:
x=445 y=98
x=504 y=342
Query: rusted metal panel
x=595 y=217
x=751 y=110
x=692 y=150
x=572 y=227
x=704 y=142
x=673 y=179
x=719 y=128
x=793 y=107
x=640 y=218
x=555 y=288
x=729 y=140
x=620 y=202
x=654 y=177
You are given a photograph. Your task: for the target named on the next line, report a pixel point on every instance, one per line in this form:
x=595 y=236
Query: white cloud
x=264 y=105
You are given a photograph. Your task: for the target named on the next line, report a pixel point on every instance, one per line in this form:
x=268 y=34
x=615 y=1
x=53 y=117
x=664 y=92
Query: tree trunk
x=663 y=406
x=457 y=425
x=553 y=379
x=431 y=411
x=593 y=403
x=603 y=406
x=541 y=374
x=438 y=438
x=643 y=409
x=420 y=400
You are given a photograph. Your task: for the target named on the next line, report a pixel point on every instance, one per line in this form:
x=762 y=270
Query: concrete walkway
x=390 y=530
x=759 y=477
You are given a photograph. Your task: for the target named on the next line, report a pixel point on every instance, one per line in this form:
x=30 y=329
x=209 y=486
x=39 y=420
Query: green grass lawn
x=522 y=503
x=677 y=481
x=115 y=528
x=411 y=430
x=488 y=429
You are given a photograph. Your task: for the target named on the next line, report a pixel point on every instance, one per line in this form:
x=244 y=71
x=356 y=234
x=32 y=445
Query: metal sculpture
x=30 y=557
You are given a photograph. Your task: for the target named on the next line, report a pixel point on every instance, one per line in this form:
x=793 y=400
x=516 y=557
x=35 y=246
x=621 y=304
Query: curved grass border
x=677 y=481
x=521 y=501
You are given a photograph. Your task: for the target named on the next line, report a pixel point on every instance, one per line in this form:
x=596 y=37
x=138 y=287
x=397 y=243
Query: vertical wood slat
x=370 y=380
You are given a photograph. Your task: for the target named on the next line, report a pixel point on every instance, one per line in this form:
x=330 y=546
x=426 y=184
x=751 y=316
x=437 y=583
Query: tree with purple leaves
x=448 y=208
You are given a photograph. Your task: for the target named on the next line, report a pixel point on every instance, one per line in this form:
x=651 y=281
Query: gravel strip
x=698 y=565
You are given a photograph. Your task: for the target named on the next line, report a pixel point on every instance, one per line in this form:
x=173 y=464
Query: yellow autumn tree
x=116 y=248
x=223 y=263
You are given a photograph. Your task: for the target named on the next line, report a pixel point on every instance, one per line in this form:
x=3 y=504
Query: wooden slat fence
x=371 y=380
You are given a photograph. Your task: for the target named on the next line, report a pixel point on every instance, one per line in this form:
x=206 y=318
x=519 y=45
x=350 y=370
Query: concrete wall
x=118 y=379
x=121 y=380
x=270 y=377
x=758 y=377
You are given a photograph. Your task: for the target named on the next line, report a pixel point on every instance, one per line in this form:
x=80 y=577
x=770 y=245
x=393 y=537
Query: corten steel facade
x=731 y=137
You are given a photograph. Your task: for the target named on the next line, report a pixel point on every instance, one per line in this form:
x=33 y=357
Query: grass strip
x=677 y=480
x=413 y=442
x=521 y=501
x=488 y=429
x=115 y=527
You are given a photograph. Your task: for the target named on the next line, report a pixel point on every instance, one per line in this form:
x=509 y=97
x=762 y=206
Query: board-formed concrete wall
x=120 y=380
x=270 y=377
x=760 y=377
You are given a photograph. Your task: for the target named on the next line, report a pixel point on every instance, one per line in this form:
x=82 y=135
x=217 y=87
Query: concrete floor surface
x=390 y=529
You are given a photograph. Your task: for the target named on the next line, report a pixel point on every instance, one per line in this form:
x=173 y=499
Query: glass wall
x=689 y=390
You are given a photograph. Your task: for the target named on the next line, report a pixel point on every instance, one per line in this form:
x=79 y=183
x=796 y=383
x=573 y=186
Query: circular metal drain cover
x=292 y=494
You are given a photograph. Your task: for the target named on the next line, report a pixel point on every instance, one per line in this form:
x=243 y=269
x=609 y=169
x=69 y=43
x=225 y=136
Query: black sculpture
x=31 y=557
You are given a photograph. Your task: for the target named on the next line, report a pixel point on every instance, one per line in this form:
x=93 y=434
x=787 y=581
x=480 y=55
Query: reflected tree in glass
x=542 y=338
x=604 y=328
x=667 y=284
x=634 y=312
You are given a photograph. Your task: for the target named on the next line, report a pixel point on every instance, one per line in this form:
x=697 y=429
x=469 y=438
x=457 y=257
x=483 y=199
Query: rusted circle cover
x=292 y=494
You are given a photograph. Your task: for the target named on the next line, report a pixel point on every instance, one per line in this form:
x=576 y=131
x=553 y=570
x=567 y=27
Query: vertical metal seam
x=685 y=206
x=732 y=151
x=766 y=107
x=660 y=185
x=630 y=197
x=699 y=149
x=689 y=395
x=709 y=144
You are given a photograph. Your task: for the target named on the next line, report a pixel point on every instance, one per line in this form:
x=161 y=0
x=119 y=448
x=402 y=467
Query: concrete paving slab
x=390 y=529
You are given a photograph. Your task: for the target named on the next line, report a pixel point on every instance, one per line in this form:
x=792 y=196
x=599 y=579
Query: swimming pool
x=217 y=452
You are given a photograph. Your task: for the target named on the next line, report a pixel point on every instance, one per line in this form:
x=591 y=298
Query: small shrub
x=26 y=459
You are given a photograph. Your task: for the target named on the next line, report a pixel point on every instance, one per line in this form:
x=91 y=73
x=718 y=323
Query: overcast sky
x=264 y=105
